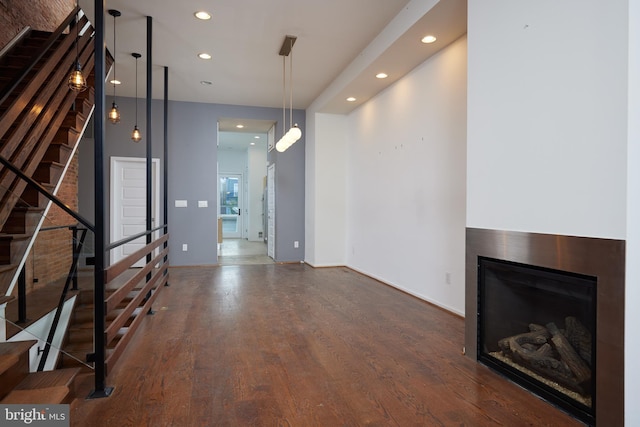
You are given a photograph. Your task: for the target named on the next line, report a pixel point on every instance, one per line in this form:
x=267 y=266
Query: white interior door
x=271 y=210
x=128 y=203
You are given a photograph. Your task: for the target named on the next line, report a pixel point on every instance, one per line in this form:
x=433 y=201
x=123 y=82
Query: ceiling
x=244 y=39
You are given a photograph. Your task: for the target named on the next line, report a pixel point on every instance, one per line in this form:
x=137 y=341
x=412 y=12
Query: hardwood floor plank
x=289 y=345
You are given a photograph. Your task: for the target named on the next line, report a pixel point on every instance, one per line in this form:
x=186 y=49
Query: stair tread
x=6 y=298
x=49 y=395
x=7 y=362
x=16 y=347
x=8 y=236
x=11 y=351
x=46 y=379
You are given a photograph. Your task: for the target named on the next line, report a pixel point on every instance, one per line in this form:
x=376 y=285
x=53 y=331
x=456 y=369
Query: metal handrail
x=14 y=41
x=58 y=227
x=134 y=237
x=48 y=195
x=50 y=41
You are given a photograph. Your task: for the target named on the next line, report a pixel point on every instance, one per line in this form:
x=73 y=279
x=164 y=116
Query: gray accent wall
x=192 y=168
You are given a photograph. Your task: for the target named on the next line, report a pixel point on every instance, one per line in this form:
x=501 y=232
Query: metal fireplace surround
x=601 y=258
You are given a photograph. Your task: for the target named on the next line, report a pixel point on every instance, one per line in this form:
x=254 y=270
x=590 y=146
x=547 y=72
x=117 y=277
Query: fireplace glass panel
x=537 y=327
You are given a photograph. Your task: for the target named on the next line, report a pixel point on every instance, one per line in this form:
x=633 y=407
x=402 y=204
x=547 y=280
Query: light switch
x=203 y=204
x=181 y=203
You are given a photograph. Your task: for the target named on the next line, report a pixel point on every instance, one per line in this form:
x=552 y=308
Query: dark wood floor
x=289 y=345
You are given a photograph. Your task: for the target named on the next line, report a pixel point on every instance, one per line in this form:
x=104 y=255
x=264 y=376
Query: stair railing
x=76 y=249
x=71 y=278
x=6 y=163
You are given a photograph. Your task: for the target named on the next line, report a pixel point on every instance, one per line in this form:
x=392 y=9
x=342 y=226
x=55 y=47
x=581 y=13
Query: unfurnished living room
x=336 y=213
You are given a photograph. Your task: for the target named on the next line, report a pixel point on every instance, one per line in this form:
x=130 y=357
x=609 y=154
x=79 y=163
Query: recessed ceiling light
x=428 y=39
x=115 y=82
x=257 y=137
x=204 y=56
x=252 y=143
x=202 y=15
x=239 y=126
x=381 y=76
x=351 y=99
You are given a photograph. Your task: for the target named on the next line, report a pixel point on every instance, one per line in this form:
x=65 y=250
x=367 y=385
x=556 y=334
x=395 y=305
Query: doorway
x=242 y=180
x=230 y=203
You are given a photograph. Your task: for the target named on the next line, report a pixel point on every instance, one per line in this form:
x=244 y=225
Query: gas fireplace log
x=579 y=337
x=569 y=356
x=543 y=363
x=538 y=336
x=532 y=350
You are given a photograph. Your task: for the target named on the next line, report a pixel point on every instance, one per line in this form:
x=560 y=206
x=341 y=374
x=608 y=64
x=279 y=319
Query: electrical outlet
x=296 y=244
x=184 y=247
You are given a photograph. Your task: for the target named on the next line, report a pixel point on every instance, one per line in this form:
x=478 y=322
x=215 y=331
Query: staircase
x=41 y=123
x=18 y=386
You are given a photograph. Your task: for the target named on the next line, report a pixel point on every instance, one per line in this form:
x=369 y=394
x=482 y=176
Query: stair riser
x=57 y=153
x=66 y=136
x=11 y=250
x=32 y=198
x=77 y=336
x=22 y=221
x=48 y=173
x=74 y=119
x=12 y=377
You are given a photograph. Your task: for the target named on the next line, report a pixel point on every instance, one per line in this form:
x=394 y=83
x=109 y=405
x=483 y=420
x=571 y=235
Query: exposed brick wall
x=51 y=257
x=45 y=15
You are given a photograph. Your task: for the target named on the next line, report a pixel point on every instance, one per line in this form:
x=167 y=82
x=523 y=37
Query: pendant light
x=77 y=82
x=136 y=135
x=294 y=133
x=114 y=113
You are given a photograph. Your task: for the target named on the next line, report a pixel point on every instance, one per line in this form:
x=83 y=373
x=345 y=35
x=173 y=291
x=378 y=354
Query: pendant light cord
x=77 y=33
x=284 y=96
x=136 y=92
x=291 y=86
x=114 y=59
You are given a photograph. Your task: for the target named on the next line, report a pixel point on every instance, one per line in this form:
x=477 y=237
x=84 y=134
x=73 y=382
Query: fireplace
x=536 y=326
x=547 y=312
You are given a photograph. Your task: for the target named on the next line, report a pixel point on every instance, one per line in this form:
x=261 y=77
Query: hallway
x=243 y=252
x=290 y=345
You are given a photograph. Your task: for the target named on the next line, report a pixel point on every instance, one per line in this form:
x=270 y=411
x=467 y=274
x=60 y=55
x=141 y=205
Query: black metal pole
x=22 y=295
x=149 y=143
x=100 y=389
x=165 y=197
x=75 y=248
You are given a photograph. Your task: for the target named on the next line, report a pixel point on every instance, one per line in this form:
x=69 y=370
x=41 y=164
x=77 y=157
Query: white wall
x=554 y=135
x=257 y=170
x=547 y=116
x=406 y=181
x=632 y=300
x=326 y=222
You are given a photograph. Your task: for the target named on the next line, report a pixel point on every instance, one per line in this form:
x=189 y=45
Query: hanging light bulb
x=114 y=113
x=136 y=135
x=77 y=82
